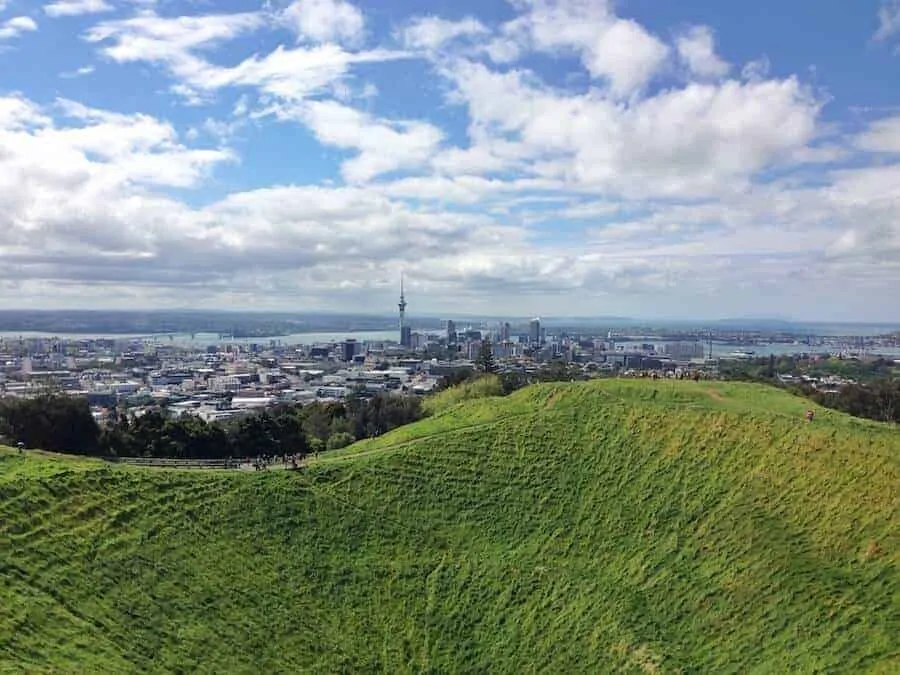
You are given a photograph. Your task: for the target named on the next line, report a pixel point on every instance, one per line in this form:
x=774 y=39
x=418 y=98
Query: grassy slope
x=582 y=527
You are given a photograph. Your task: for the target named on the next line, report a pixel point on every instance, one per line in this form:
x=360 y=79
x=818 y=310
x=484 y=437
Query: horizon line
x=452 y=315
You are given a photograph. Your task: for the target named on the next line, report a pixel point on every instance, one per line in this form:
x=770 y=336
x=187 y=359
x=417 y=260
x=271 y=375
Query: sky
x=642 y=158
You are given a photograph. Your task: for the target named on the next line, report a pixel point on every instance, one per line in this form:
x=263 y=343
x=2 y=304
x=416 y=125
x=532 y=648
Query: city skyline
x=250 y=323
x=513 y=157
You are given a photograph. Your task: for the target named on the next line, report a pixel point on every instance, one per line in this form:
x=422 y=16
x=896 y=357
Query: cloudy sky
x=648 y=158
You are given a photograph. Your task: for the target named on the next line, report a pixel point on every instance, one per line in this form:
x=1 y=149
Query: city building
x=405 y=333
x=348 y=350
x=451 y=332
x=684 y=351
x=534 y=331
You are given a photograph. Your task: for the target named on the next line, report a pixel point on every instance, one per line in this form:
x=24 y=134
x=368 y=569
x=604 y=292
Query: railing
x=177 y=463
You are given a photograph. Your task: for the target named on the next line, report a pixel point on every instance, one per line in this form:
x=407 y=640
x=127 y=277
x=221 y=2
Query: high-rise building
x=534 y=331
x=406 y=336
x=348 y=350
x=404 y=341
x=451 y=332
x=684 y=351
x=504 y=332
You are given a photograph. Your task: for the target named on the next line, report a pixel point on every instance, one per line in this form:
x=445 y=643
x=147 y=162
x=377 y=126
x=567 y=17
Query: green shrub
x=339 y=440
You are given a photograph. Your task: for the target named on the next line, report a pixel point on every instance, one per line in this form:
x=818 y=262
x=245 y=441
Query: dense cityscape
x=218 y=377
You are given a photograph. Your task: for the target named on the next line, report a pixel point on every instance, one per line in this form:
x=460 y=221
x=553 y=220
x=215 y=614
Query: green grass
x=482 y=387
x=589 y=527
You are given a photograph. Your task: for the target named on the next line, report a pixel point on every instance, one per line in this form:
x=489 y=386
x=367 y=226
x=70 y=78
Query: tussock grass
x=584 y=527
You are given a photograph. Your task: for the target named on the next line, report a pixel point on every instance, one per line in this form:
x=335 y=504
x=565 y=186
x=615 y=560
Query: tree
x=317 y=421
x=62 y=423
x=51 y=422
x=559 y=371
x=339 y=440
x=456 y=377
x=288 y=427
x=485 y=360
x=770 y=368
x=512 y=380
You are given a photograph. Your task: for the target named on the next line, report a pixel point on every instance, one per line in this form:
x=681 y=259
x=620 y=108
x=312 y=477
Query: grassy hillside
x=590 y=527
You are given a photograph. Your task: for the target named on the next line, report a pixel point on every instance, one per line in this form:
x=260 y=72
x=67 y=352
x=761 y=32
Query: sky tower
x=404 y=331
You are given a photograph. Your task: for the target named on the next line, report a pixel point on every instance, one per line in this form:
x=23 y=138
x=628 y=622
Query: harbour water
x=202 y=339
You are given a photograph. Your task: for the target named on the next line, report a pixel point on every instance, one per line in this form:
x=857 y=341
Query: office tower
x=534 y=331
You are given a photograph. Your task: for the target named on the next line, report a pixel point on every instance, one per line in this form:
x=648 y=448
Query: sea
x=204 y=339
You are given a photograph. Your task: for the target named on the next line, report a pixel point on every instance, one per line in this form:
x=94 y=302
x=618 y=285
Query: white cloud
x=292 y=73
x=503 y=50
x=75 y=190
x=432 y=32
x=490 y=156
x=688 y=142
x=881 y=136
x=819 y=154
x=78 y=186
x=619 y=50
x=383 y=146
x=78 y=72
x=508 y=43
x=77 y=209
x=325 y=21
x=76 y=7
x=289 y=73
x=82 y=211
x=888 y=19
x=170 y=41
x=867 y=202
x=696 y=48
x=18 y=113
x=220 y=130
x=757 y=69
x=140 y=148
x=241 y=106
x=466 y=190
x=14 y=27
x=626 y=54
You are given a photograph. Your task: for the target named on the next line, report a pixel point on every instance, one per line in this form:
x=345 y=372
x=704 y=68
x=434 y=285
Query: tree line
x=879 y=400
x=874 y=395
x=61 y=423
x=766 y=368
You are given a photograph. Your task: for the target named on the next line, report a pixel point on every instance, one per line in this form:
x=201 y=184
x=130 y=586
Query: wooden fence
x=177 y=463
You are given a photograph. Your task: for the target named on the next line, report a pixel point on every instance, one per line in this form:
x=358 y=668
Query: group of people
x=263 y=462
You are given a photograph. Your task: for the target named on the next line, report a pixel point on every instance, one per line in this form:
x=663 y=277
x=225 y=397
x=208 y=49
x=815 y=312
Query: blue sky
x=649 y=158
